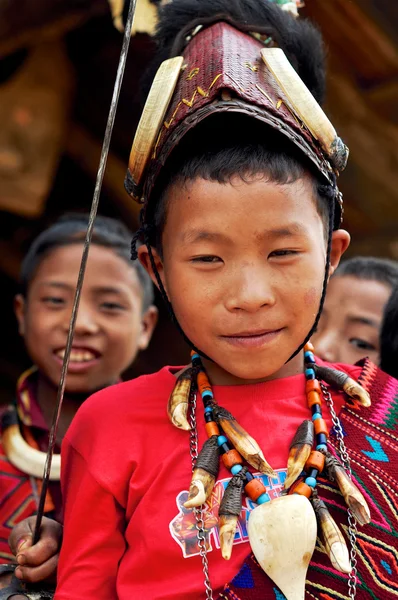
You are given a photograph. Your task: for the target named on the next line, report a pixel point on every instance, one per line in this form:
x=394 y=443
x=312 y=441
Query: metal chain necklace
x=198 y=512
x=345 y=459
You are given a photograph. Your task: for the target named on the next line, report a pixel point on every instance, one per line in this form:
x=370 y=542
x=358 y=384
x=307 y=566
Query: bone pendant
x=354 y=499
x=28 y=459
x=200 y=489
x=177 y=408
x=282 y=535
x=243 y=442
x=299 y=452
x=227 y=529
x=335 y=545
x=342 y=381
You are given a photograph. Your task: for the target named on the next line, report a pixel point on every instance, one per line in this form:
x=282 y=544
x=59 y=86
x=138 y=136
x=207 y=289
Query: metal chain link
x=198 y=512
x=345 y=459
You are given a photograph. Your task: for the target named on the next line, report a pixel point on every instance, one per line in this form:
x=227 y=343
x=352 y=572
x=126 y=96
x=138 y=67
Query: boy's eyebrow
x=195 y=235
x=363 y=321
x=105 y=289
x=56 y=284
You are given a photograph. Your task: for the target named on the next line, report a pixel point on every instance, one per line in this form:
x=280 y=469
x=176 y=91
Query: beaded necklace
x=308 y=457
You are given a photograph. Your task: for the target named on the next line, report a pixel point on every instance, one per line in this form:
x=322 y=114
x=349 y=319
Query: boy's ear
x=19 y=310
x=143 y=257
x=148 y=321
x=340 y=242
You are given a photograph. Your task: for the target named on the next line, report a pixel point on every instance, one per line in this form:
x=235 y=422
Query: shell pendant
x=282 y=535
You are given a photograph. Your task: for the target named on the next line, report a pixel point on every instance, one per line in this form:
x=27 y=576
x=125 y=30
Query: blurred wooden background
x=58 y=62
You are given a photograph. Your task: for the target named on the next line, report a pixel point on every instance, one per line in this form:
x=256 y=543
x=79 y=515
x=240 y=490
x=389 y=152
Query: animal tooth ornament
x=282 y=535
x=300 y=449
x=282 y=532
x=177 y=407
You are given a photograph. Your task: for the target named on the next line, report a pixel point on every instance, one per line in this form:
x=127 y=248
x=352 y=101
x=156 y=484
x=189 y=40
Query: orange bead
x=313 y=398
x=212 y=428
x=231 y=458
x=203 y=382
x=309 y=347
x=303 y=489
x=320 y=426
x=316 y=460
x=295 y=484
x=255 y=488
x=313 y=385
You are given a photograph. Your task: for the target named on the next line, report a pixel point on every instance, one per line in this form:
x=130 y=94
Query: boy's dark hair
x=71 y=229
x=383 y=270
x=389 y=336
x=240 y=147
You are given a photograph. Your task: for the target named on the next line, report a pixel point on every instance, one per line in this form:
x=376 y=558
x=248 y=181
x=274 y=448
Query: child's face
x=243 y=265
x=110 y=326
x=349 y=327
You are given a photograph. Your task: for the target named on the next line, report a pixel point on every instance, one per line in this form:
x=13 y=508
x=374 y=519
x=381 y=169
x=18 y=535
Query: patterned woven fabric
x=372 y=443
x=19 y=493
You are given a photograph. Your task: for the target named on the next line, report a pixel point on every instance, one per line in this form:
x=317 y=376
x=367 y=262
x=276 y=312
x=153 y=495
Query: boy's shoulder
x=129 y=396
x=132 y=403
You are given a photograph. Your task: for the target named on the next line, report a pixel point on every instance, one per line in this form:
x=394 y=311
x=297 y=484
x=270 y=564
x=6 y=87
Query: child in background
x=115 y=321
x=350 y=324
x=241 y=225
x=389 y=336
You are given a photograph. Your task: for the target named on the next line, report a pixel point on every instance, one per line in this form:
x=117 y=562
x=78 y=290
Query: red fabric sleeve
x=93 y=541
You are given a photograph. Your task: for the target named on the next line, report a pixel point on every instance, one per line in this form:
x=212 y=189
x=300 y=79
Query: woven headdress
x=234 y=56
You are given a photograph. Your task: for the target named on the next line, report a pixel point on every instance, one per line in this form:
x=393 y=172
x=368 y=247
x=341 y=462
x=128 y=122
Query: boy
x=349 y=327
x=116 y=320
x=389 y=336
x=241 y=224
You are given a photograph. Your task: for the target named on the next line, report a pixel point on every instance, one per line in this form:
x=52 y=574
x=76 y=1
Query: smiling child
x=116 y=320
x=235 y=165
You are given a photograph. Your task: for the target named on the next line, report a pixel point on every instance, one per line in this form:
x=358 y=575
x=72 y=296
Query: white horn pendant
x=28 y=459
x=282 y=535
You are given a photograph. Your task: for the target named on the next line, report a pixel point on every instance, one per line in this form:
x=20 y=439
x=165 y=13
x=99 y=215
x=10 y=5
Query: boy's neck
x=47 y=397
x=218 y=376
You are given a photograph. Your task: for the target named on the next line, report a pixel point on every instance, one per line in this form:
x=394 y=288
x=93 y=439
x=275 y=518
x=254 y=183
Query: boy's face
x=349 y=327
x=110 y=327
x=243 y=266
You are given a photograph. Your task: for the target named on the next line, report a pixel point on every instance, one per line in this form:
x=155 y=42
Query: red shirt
x=126 y=472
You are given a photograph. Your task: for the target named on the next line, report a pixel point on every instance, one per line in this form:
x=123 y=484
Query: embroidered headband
x=224 y=69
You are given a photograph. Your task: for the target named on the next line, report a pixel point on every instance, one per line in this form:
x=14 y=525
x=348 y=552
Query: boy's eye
x=53 y=300
x=112 y=306
x=283 y=252
x=206 y=259
x=362 y=344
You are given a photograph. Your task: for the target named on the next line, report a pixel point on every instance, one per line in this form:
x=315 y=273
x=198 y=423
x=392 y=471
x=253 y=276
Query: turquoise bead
x=195 y=356
x=309 y=374
x=316 y=416
x=262 y=499
x=311 y=481
x=236 y=469
x=322 y=447
x=309 y=357
x=207 y=394
x=208 y=409
x=221 y=440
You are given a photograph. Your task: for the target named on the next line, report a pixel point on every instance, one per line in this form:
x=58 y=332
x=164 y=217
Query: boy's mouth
x=252 y=339
x=80 y=357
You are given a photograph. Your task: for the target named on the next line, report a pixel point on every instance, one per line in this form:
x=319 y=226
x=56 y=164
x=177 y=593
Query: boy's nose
x=85 y=322
x=250 y=292
x=327 y=346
